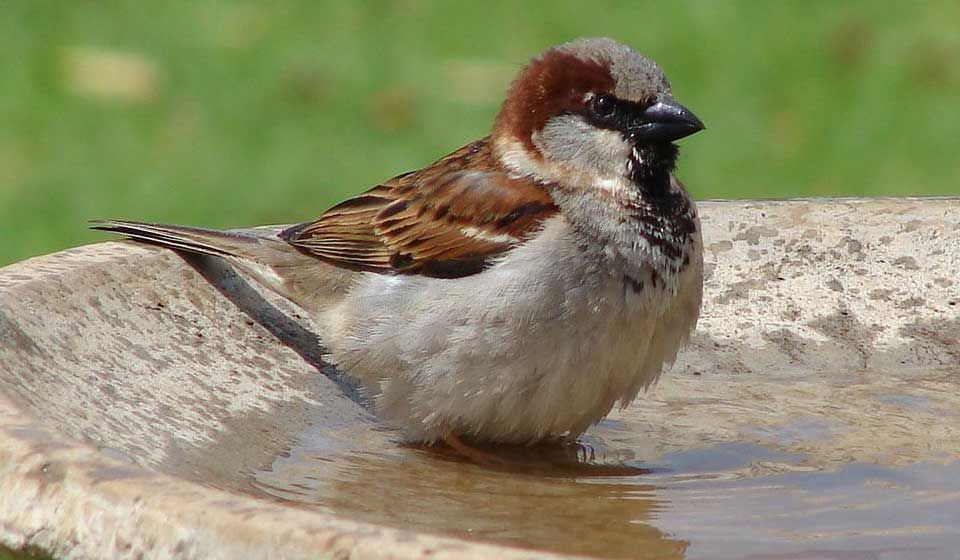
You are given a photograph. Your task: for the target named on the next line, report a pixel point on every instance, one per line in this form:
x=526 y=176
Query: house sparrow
x=518 y=288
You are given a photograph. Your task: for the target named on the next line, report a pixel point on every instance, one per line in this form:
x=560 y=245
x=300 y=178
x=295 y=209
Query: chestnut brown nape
x=553 y=83
x=559 y=80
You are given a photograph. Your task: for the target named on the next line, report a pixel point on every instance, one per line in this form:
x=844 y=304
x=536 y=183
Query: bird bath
x=158 y=406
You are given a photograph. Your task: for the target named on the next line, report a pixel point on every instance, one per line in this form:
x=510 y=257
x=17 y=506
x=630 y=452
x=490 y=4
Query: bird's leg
x=468 y=452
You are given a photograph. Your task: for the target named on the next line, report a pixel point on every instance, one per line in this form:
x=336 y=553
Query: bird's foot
x=471 y=453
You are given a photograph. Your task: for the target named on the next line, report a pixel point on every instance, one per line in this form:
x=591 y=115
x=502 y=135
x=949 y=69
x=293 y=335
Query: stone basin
x=160 y=406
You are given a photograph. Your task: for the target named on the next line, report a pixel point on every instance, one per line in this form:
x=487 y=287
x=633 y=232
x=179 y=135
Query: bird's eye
x=603 y=105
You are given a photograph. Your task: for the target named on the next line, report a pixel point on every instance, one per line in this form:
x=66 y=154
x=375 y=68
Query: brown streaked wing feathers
x=446 y=220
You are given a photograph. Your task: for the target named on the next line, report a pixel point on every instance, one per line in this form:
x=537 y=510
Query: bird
x=518 y=289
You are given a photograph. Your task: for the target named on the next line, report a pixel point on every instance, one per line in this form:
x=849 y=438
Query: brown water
x=862 y=466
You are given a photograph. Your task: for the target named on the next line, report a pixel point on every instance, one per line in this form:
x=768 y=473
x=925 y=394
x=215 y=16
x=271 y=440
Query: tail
x=217 y=243
x=271 y=261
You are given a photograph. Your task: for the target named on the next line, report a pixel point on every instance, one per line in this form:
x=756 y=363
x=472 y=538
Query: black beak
x=664 y=121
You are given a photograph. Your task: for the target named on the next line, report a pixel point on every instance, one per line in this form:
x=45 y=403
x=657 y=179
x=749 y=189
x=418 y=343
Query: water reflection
x=760 y=469
x=547 y=503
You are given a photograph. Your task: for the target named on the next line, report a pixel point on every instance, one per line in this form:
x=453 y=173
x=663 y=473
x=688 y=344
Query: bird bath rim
x=71 y=498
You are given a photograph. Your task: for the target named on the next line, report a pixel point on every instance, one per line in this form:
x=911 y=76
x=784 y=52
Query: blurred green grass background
x=228 y=113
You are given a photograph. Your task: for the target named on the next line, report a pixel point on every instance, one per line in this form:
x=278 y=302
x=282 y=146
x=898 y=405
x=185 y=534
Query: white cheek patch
x=574 y=142
x=611 y=140
x=573 y=151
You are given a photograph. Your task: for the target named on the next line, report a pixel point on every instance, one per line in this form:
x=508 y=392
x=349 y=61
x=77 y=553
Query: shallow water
x=862 y=466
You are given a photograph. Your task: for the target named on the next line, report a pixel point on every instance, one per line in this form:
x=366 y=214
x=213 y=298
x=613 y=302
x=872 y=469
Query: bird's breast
x=542 y=343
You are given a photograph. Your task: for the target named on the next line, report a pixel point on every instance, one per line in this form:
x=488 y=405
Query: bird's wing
x=447 y=220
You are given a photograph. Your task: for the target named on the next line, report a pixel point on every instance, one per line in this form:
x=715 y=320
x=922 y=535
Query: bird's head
x=594 y=109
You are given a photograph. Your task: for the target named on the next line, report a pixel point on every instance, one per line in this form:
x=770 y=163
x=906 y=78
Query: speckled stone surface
x=133 y=381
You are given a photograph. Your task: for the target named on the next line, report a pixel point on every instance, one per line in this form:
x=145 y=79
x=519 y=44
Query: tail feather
x=259 y=252
x=192 y=239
